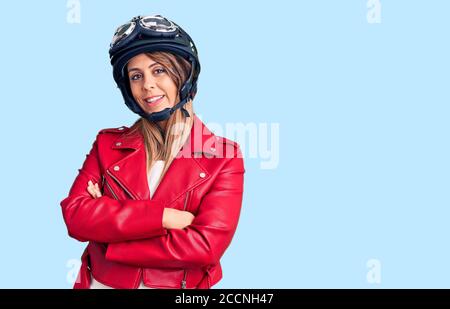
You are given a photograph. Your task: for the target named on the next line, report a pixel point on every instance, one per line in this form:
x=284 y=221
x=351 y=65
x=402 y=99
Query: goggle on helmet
x=147 y=34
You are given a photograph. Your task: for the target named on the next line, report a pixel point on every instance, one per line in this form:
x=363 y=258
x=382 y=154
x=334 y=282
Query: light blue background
x=363 y=112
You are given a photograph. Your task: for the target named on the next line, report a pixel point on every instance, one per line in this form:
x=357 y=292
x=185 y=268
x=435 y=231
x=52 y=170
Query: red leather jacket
x=127 y=241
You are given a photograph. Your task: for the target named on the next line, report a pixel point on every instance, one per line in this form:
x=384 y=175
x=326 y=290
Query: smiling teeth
x=154 y=99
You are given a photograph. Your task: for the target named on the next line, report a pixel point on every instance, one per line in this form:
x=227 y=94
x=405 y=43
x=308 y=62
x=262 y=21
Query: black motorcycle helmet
x=148 y=34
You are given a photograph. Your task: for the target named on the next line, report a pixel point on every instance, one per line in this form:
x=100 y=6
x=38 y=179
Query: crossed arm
x=106 y=220
x=145 y=233
x=199 y=242
x=172 y=218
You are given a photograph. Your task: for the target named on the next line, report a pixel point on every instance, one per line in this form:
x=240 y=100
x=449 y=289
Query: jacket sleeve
x=204 y=241
x=105 y=219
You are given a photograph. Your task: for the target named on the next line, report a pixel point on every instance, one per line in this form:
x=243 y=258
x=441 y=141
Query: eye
x=160 y=70
x=136 y=76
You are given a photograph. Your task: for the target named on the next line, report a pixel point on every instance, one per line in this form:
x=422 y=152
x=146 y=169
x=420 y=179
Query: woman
x=158 y=202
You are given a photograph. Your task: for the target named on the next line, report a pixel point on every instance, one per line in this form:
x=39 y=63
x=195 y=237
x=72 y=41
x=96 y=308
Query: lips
x=154 y=100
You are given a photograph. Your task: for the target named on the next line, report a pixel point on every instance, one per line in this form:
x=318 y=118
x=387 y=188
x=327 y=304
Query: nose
x=149 y=82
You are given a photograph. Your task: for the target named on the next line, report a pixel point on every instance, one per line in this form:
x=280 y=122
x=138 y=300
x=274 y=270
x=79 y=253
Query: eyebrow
x=137 y=69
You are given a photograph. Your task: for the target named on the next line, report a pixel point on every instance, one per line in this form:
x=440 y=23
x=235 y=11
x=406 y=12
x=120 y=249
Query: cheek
x=171 y=89
x=135 y=89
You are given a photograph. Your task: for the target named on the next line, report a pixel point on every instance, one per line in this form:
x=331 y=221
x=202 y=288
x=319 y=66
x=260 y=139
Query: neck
x=162 y=125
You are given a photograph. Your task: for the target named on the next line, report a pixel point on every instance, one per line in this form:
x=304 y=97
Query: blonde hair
x=161 y=145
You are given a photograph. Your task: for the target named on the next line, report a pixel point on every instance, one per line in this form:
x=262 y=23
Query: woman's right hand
x=93 y=189
x=176 y=219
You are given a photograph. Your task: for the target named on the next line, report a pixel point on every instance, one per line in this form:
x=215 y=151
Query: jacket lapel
x=184 y=173
x=130 y=171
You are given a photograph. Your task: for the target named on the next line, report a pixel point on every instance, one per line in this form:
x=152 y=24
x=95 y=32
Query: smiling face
x=150 y=84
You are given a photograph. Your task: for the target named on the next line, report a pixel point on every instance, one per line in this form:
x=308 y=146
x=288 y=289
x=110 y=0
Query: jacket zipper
x=134 y=198
x=109 y=187
x=118 y=182
x=183 y=282
x=185 y=201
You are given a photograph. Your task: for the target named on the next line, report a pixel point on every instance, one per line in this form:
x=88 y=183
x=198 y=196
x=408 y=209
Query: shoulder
x=231 y=149
x=107 y=135
x=231 y=154
x=117 y=130
x=227 y=142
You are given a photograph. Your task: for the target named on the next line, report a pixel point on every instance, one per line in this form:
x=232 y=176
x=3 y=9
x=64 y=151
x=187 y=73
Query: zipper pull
x=183 y=282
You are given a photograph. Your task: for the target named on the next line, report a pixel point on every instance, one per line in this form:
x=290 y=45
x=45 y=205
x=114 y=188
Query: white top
x=153 y=180
x=154 y=175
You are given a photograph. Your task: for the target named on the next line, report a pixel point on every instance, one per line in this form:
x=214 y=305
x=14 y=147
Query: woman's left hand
x=94 y=190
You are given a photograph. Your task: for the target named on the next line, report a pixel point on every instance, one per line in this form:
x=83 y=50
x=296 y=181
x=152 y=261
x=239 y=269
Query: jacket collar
x=197 y=142
x=185 y=172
